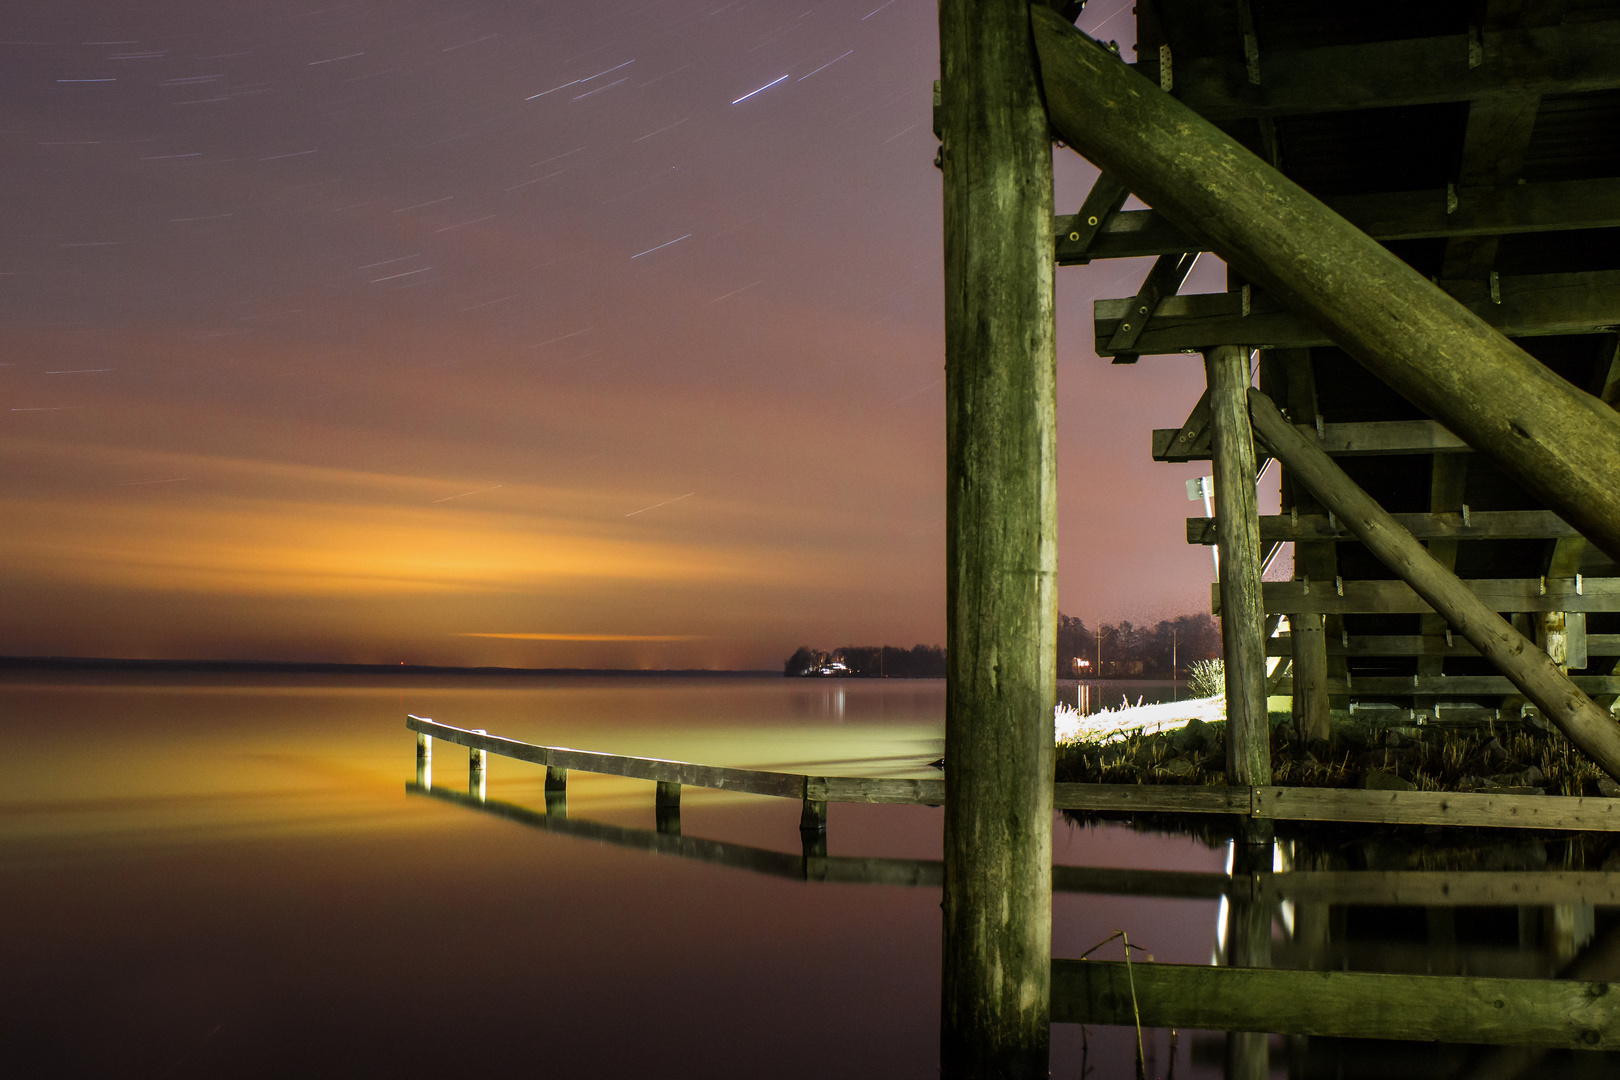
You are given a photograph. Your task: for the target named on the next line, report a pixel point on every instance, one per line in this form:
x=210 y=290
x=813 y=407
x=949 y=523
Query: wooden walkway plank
x=1561 y=812
x=1342 y=1004
x=1158 y=798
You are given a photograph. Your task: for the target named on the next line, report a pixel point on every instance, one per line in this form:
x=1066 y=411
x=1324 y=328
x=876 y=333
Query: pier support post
x=475 y=770
x=1311 y=713
x=556 y=779
x=1237 y=530
x=667 y=808
x=424 y=760
x=1000 y=539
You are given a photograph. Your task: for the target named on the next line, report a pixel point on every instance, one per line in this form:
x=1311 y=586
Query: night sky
x=496 y=332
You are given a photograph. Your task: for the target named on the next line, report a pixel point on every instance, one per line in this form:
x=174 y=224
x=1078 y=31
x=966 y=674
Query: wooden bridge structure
x=1418 y=206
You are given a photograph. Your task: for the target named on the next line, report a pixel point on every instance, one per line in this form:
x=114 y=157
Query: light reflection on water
x=226 y=877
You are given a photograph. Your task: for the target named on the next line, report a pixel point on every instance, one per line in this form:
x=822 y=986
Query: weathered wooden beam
x=1586 y=725
x=1151 y=798
x=1399 y=598
x=1453 y=685
x=1562 y=812
x=1424 y=645
x=1000 y=543
x=1248 y=739
x=1370 y=438
x=1561 y=59
x=1536 y=305
x=1559 y=443
x=1343 y=1004
x=1479 y=525
x=1400 y=215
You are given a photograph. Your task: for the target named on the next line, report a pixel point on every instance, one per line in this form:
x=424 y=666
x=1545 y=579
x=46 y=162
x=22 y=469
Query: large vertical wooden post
x=1001 y=516
x=1237 y=531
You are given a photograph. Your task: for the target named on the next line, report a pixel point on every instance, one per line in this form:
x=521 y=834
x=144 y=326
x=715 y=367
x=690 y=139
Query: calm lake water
x=227 y=877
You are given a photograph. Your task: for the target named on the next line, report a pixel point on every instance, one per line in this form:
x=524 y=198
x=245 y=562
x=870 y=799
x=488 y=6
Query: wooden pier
x=1551 y=813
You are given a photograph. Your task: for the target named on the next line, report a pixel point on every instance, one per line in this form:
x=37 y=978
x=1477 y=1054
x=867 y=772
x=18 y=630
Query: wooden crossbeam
x=1340 y=440
x=1561 y=59
x=1531 y=306
x=1480 y=525
x=1398 y=598
x=1400 y=215
x=1343 y=1004
x=1449 y=685
x=1421 y=645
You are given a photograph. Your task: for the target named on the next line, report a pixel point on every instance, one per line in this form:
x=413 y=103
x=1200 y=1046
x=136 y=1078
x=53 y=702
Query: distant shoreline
x=293 y=667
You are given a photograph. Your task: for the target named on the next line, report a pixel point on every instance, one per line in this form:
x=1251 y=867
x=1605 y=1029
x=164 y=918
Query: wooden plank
x=1397 y=597
x=1557 y=812
x=1424 y=645
x=1559 y=59
x=1155 y=798
x=1450 y=685
x=1535 y=305
x=1368 y=439
x=1400 y=215
x=1480 y=525
x=1343 y=1004
x=1441 y=888
x=853 y=789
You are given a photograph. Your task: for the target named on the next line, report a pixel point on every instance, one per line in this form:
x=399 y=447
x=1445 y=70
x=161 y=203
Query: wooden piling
x=1001 y=610
x=1559 y=442
x=556 y=779
x=1536 y=675
x=1237 y=528
x=667 y=808
x=1309 y=648
x=424 y=759
x=476 y=761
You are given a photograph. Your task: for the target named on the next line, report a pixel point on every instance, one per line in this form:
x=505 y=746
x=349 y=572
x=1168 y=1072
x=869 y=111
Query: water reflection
x=232 y=856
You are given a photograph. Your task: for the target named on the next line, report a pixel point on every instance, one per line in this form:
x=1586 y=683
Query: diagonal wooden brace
x=1589 y=727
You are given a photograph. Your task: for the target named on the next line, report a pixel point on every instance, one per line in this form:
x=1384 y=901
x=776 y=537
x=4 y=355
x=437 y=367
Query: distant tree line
x=870 y=662
x=1126 y=651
